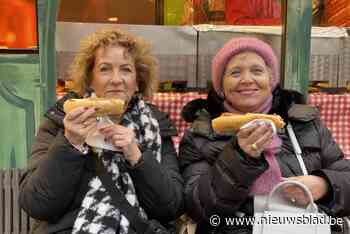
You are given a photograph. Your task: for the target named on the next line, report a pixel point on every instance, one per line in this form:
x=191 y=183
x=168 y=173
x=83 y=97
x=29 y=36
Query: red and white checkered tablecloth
x=172 y=103
x=334 y=110
x=335 y=113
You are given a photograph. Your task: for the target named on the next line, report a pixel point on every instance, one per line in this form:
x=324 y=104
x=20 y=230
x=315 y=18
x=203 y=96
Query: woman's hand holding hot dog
x=123 y=138
x=254 y=139
x=78 y=123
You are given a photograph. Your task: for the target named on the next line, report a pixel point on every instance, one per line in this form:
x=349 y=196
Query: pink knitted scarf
x=272 y=176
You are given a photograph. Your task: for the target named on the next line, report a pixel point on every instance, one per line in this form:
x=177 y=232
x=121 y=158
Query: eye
x=257 y=71
x=126 y=69
x=104 y=68
x=235 y=73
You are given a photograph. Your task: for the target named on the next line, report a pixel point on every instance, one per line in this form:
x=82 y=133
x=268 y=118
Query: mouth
x=116 y=93
x=247 y=91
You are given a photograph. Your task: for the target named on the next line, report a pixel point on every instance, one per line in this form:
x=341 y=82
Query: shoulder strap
x=118 y=200
x=296 y=147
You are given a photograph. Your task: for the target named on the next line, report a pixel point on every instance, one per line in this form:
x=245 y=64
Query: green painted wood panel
x=47 y=15
x=21 y=107
x=298 y=37
x=27 y=89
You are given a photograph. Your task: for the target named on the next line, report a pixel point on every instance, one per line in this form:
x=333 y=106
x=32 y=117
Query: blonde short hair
x=145 y=63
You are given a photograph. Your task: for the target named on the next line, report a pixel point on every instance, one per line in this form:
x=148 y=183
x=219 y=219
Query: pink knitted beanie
x=236 y=46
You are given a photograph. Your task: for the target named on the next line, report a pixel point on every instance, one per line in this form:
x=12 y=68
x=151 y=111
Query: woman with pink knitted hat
x=223 y=172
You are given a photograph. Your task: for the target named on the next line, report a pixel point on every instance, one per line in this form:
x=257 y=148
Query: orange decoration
x=18 y=24
x=337 y=13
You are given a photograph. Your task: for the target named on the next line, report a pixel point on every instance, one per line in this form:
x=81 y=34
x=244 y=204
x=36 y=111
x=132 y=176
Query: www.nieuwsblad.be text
x=301 y=219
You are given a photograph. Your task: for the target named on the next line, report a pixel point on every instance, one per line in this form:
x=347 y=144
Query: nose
x=116 y=79
x=246 y=77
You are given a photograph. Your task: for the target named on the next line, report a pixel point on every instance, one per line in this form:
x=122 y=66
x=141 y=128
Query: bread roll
x=229 y=122
x=106 y=106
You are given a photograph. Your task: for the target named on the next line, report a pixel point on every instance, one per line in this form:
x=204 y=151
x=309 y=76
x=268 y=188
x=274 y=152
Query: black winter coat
x=57 y=178
x=218 y=175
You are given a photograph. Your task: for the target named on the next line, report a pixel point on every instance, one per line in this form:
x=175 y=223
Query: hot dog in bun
x=104 y=106
x=229 y=122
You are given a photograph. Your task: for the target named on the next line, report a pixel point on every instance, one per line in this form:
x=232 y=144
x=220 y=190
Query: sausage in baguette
x=105 y=106
x=229 y=122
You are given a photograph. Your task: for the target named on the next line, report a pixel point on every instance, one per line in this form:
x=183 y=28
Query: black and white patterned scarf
x=97 y=214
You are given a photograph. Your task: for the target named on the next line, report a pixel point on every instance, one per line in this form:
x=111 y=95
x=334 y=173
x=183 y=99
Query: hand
x=317 y=185
x=255 y=139
x=78 y=123
x=124 y=138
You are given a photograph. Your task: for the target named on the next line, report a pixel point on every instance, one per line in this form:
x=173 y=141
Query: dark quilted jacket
x=57 y=178
x=218 y=175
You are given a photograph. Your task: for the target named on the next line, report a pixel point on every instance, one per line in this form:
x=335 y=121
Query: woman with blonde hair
x=61 y=185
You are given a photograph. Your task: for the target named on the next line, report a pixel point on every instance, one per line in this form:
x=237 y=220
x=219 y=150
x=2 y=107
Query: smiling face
x=246 y=82
x=114 y=73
